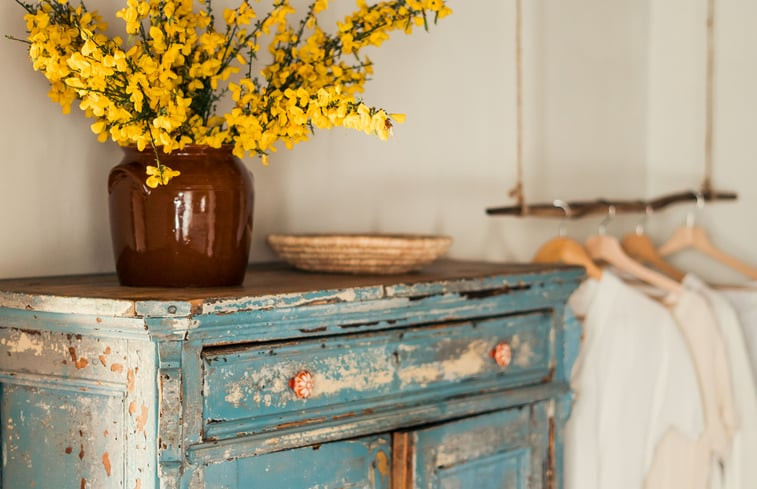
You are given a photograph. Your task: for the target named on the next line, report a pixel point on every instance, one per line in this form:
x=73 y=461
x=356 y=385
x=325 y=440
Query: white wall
x=599 y=86
x=676 y=122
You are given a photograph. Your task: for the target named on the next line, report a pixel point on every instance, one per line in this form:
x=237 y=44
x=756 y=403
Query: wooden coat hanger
x=690 y=235
x=639 y=246
x=566 y=250
x=694 y=237
x=608 y=249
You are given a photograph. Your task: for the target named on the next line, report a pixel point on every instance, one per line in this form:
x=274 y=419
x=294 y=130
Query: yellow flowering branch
x=161 y=87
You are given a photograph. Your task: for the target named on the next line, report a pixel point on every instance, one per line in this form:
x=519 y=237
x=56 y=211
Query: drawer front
x=364 y=463
x=255 y=388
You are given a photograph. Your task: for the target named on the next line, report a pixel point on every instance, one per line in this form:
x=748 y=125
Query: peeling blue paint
x=189 y=391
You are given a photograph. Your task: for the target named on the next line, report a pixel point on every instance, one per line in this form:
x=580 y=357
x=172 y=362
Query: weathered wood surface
x=247 y=388
x=368 y=423
x=365 y=315
x=403 y=466
x=363 y=463
x=188 y=389
x=265 y=286
x=76 y=411
x=503 y=450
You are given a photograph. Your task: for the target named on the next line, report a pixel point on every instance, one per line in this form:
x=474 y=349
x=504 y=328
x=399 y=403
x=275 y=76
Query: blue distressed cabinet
x=453 y=377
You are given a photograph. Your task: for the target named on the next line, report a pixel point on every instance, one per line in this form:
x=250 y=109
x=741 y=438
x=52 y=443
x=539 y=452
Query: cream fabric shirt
x=745 y=302
x=634 y=381
x=705 y=457
x=740 y=468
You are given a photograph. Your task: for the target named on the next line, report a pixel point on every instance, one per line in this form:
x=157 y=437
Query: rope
x=518 y=191
x=709 y=97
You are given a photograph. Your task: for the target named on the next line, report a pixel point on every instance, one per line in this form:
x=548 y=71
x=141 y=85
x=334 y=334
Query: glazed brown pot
x=193 y=232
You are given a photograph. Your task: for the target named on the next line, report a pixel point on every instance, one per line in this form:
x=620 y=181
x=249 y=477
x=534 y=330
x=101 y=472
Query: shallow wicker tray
x=358 y=253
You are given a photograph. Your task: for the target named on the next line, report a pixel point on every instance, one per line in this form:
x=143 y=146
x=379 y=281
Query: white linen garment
x=634 y=380
x=740 y=469
x=745 y=302
x=704 y=456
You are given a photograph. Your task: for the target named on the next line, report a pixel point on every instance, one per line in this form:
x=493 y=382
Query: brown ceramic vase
x=193 y=232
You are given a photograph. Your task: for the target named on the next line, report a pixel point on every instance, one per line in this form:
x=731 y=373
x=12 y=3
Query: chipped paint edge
x=67 y=305
x=96 y=387
x=209 y=452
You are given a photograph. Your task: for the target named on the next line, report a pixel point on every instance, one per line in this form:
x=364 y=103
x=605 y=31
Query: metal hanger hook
x=566 y=209
x=648 y=211
x=603 y=225
x=691 y=216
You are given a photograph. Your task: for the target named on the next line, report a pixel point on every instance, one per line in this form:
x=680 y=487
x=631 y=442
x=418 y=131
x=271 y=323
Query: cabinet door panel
x=353 y=464
x=503 y=470
x=501 y=450
x=52 y=438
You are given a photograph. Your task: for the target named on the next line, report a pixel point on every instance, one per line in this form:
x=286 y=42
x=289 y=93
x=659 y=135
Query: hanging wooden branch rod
x=600 y=206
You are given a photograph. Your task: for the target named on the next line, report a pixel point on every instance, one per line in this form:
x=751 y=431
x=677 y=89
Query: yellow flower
x=161 y=87
x=160 y=175
x=320 y=5
x=398 y=118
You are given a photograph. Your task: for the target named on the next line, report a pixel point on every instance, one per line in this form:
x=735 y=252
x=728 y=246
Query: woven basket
x=359 y=253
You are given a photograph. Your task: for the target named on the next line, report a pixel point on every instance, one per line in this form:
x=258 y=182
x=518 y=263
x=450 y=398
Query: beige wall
x=613 y=96
x=676 y=122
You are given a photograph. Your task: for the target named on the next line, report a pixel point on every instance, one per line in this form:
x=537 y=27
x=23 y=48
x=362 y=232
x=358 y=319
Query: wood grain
x=262 y=279
x=403 y=455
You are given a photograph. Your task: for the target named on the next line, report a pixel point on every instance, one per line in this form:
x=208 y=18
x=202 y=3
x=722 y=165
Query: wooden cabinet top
x=266 y=286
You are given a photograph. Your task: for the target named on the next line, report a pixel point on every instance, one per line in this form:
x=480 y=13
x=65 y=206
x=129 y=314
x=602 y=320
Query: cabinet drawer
x=252 y=388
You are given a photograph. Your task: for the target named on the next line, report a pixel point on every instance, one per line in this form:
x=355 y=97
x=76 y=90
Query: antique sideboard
x=453 y=377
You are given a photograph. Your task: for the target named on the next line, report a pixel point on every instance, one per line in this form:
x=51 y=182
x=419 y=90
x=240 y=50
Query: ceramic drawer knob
x=502 y=354
x=302 y=384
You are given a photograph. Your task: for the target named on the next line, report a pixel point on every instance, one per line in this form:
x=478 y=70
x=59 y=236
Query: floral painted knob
x=302 y=384
x=502 y=354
